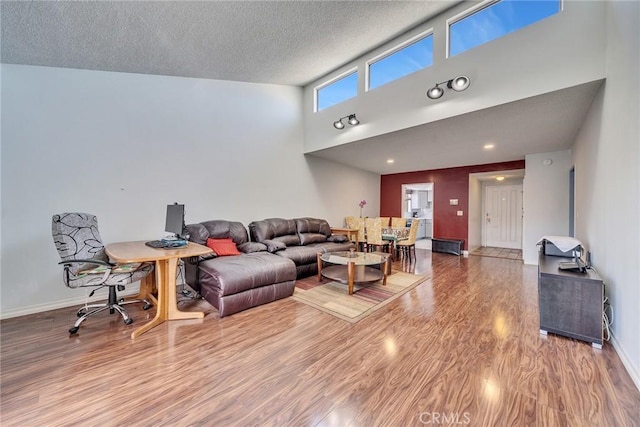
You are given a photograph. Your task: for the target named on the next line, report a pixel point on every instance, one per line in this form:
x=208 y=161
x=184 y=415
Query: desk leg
x=161 y=305
x=167 y=307
x=172 y=308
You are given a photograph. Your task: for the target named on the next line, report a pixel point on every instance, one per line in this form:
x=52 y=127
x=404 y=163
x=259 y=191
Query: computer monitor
x=175 y=220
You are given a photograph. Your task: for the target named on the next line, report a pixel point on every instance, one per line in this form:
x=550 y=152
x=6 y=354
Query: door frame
x=485 y=188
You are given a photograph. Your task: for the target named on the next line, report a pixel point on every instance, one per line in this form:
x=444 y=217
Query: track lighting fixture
x=351 y=119
x=458 y=84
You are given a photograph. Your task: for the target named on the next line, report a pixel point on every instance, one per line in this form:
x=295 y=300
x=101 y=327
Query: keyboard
x=155 y=243
x=166 y=244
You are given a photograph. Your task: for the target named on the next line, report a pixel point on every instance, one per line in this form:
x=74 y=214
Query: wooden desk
x=166 y=261
x=349 y=232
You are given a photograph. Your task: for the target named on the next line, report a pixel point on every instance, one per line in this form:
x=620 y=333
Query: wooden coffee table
x=353 y=267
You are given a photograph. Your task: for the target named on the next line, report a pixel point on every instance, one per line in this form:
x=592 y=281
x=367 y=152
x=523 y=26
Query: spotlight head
x=338 y=124
x=435 y=92
x=353 y=120
x=459 y=83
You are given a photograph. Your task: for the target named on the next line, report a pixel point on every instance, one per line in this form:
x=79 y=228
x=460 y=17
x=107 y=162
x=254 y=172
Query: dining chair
x=398 y=222
x=406 y=246
x=356 y=222
x=374 y=235
x=385 y=221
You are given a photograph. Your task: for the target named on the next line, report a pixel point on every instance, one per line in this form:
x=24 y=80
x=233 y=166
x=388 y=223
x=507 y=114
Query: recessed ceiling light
x=499 y=178
x=489 y=146
x=390 y=160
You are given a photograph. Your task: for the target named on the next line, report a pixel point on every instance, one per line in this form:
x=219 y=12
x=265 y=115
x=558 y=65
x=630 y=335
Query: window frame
x=468 y=12
x=391 y=51
x=347 y=73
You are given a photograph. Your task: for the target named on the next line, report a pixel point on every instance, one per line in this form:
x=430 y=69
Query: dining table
x=395 y=235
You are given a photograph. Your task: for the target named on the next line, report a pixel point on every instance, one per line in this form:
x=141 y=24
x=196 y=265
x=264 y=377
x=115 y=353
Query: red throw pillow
x=223 y=247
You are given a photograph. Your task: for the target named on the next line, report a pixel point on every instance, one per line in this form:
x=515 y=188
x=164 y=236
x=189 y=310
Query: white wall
x=546 y=200
x=123 y=146
x=607 y=164
x=561 y=51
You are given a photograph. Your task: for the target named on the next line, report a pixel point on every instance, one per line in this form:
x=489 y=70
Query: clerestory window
x=493 y=19
x=411 y=56
x=337 y=90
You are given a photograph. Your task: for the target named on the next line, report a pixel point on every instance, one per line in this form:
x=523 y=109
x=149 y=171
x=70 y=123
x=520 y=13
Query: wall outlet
x=459 y=213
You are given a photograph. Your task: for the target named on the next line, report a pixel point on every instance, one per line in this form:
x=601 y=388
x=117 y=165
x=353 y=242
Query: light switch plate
x=453 y=201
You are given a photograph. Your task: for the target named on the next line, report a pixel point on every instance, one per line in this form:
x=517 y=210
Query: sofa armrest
x=250 y=247
x=274 y=246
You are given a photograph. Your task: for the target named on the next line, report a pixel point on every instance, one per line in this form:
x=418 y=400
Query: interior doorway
x=417 y=204
x=503 y=216
x=494 y=222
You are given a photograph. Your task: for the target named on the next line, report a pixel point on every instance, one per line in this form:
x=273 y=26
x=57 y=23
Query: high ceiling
x=284 y=42
x=539 y=124
x=280 y=42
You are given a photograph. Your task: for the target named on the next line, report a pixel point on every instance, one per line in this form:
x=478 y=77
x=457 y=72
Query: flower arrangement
x=361 y=204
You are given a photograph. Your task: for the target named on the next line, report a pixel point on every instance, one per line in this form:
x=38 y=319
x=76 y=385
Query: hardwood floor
x=462 y=347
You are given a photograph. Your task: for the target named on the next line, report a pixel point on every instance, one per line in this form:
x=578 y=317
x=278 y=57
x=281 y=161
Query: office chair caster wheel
x=74 y=330
x=128 y=321
x=146 y=306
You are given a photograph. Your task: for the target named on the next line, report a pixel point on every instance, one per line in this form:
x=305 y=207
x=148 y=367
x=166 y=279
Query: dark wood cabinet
x=570 y=303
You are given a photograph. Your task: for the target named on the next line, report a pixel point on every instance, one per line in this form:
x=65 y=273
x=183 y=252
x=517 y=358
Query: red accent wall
x=451 y=183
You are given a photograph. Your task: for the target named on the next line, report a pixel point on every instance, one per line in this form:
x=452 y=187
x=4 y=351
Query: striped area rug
x=333 y=297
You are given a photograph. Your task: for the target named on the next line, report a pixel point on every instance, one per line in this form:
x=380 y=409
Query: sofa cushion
x=217 y=229
x=313 y=225
x=250 y=247
x=279 y=229
x=230 y=275
x=337 y=238
x=274 y=245
x=312 y=230
x=301 y=254
x=197 y=233
x=223 y=247
x=307 y=238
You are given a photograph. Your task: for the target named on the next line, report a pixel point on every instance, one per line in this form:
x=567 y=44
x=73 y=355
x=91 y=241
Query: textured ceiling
x=281 y=42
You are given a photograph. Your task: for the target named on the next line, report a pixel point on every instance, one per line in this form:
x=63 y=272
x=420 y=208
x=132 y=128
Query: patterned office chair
x=407 y=246
x=86 y=264
x=374 y=235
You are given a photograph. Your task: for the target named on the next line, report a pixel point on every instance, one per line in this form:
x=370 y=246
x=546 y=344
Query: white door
x=503 y=216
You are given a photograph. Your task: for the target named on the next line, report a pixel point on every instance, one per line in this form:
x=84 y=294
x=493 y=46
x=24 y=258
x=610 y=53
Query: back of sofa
x=292 y=232
x=312 y=230
x=218 y=229
x=278 y=229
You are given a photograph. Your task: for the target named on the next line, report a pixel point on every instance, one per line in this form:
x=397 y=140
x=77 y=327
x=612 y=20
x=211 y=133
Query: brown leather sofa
x=238 y=282
x=298 y=240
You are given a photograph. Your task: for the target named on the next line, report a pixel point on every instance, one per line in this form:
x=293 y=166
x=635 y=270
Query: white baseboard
x=70 y=302
x=628 y=364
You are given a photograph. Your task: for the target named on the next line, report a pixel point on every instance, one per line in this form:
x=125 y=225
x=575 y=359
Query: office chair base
x=112 y=305
x=147 y=305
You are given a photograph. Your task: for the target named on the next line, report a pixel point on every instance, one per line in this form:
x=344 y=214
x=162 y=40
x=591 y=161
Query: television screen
x=175 y=219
